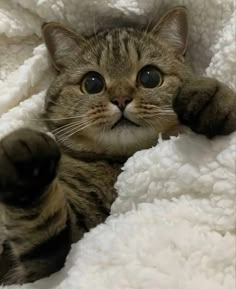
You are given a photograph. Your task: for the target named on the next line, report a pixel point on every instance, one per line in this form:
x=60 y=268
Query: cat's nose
x=121 y=101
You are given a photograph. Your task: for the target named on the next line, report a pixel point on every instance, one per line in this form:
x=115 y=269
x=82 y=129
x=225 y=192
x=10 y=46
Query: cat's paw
x=207 y=106
x=28 y=164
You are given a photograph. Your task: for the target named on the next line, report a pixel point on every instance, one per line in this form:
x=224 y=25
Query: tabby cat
x=114 y=93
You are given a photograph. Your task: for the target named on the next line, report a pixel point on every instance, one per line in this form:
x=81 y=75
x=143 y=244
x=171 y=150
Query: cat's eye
x=92 y=83
x=149 y=77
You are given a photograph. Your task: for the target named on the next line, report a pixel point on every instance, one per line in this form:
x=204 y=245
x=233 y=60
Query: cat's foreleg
x=33 y=206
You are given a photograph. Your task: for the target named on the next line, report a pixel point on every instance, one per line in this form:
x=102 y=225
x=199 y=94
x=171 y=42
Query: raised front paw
x=207 y=106
x=28 y=164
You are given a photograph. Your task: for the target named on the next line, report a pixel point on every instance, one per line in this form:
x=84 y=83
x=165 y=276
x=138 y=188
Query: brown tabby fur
x=51 y=192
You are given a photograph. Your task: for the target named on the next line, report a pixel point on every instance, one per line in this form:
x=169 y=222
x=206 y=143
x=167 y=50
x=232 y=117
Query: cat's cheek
x=113 y=113
x=171 y=84
x=113 y=109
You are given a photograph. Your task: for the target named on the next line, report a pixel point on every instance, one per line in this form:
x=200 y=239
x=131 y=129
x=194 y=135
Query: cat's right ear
x=62 y=44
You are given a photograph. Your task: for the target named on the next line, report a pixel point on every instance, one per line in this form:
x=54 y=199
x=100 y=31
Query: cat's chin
x=126 y=138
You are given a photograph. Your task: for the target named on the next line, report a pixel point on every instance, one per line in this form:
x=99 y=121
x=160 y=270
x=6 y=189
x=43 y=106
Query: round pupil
x=150 y=77
x=93 y=83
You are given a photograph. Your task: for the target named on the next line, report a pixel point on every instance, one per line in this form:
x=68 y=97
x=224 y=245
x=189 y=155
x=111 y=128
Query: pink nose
x=121 y=101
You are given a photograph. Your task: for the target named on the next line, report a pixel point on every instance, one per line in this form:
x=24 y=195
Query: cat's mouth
x=123 y=121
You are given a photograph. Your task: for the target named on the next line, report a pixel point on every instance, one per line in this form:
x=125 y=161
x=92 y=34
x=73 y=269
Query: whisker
x=67 y=126
x=62 y=118
x=88 y=42
x=94 y=27
x=166 y=105
x=159 y=114
x=151 y=126
x=101 y=135
x=62 y=105
x=151 y=17
x=166 y=110
x=73 y=125
x=157 y=108
x=169 y=113
x=159 y=123
x=74 y=132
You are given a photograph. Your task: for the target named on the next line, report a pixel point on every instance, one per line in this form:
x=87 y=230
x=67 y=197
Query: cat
x=113 y=94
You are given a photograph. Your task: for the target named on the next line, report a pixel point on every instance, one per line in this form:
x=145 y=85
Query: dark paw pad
x=207 y=107
x=29 y=161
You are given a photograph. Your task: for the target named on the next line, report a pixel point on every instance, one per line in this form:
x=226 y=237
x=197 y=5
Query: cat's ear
x=173 y=29
x=62 y=44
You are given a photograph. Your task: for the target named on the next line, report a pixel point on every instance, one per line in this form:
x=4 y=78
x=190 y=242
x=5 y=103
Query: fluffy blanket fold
x=173 y=223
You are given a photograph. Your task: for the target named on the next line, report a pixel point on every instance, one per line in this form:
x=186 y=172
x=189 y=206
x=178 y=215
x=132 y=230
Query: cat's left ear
x=173 y=29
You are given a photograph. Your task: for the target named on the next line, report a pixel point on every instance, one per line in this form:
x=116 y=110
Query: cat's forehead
x=119 y=50
x=117 y=38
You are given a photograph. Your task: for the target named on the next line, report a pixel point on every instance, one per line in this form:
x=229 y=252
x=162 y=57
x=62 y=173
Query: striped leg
x=33 y=208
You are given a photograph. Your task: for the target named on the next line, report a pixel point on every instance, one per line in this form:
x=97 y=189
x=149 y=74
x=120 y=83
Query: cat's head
x=114 y=90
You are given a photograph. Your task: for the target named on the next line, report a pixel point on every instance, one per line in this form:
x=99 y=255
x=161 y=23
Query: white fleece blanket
x=173 y=224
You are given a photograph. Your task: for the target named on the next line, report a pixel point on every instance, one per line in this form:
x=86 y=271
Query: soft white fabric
x=173 y=224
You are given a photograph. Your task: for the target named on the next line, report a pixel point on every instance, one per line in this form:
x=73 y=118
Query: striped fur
x=40 y=231
x=51 y=193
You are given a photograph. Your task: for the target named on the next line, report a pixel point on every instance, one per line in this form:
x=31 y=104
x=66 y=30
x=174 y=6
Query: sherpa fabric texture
x=173 y=224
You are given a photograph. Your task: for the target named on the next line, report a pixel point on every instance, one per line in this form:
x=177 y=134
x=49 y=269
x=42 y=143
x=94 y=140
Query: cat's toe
x=207 y=107
x=29 y=161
